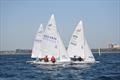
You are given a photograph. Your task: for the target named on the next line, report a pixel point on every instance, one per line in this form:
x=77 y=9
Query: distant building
x=116 y=46
x=110 y=45
x=23 y=50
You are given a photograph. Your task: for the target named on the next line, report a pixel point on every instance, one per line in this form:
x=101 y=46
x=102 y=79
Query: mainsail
x=52 y=44
x=36 y=51
x=78 y=45
x=50 y=40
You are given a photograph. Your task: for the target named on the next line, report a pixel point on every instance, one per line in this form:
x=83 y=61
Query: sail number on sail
x=50 y=38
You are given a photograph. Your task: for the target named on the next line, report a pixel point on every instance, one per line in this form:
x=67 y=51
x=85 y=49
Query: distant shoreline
x=28 y=51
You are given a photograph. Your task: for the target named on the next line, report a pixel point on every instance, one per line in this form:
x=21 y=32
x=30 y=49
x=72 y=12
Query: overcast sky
x=20 y=19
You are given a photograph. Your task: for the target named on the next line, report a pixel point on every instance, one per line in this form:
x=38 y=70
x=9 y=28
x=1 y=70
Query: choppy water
x=14 y=67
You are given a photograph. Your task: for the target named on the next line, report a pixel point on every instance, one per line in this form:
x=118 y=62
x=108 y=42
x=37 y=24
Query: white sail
x=50 y=40
x=36 y=51
x=62 y=51
x=78 y=45
x=52 y=44
x=88 y=54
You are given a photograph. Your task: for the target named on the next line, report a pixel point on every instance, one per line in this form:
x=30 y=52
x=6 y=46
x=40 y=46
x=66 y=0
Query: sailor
x=53 y=60
x=46 y=59
x=74 y=58
x=80 y=59
x=40 y=59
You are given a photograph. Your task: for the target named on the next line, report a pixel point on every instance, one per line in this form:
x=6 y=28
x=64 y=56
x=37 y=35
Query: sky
x=20 y=19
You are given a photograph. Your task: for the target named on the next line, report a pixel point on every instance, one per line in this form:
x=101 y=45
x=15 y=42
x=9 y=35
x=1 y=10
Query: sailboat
x=36 y=51
x=52 y=45
x=79 y=47
x=99 y=52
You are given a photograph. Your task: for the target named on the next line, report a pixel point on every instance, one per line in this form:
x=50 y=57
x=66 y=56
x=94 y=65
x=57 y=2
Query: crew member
x=40 y=59
x=80 y=59
x=46 y=59
x=74 y=58
x=53 y=59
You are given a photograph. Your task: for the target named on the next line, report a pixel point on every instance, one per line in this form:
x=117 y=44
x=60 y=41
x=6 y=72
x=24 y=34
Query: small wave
x=103 y=78
x=6 y=75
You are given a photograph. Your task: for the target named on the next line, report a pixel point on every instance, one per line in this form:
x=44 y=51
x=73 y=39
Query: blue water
x=14 y=67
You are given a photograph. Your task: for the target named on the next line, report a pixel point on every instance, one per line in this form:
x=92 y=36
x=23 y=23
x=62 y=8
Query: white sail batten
x=36 y=51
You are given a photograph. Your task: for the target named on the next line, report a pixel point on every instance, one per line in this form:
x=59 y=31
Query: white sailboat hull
x=62 y=63
x=84 y=62
x=78 y=46
x=48 y=63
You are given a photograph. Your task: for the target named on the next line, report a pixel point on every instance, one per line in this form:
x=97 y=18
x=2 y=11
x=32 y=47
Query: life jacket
x=53 y=59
